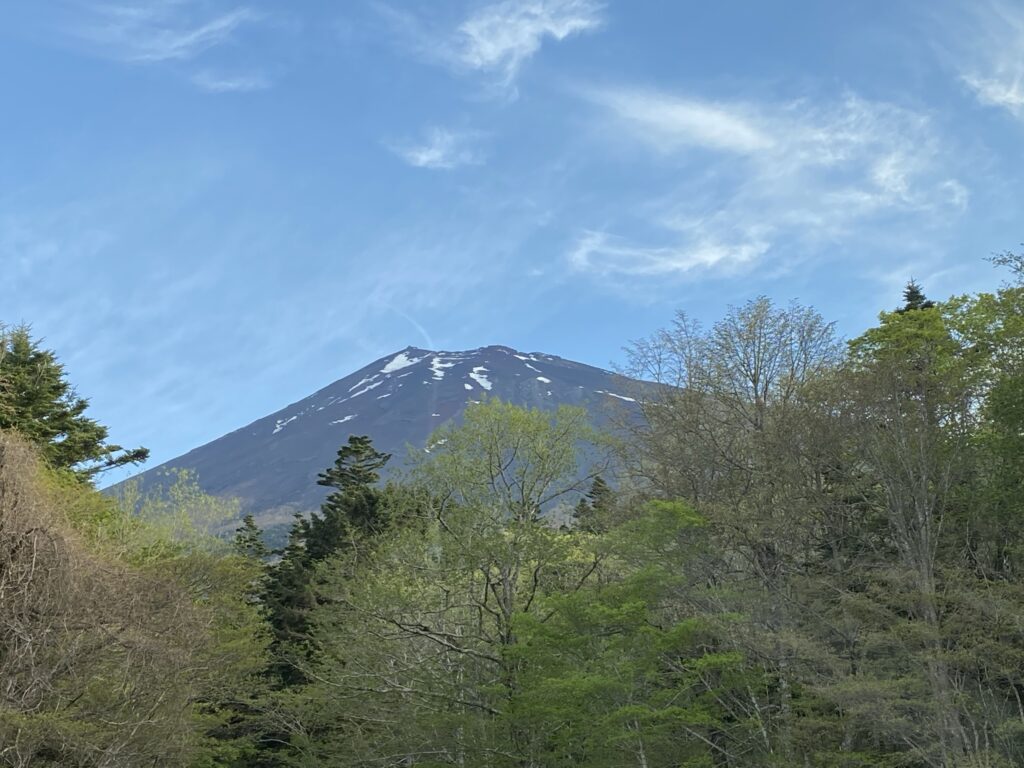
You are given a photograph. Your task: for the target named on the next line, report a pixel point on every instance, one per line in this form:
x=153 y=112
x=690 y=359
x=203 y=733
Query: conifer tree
x=914 y=298
x=592 y=510
x=249 y=539
x=354 y=507
x=357 y=465
x=353 y=512
x=38 y=402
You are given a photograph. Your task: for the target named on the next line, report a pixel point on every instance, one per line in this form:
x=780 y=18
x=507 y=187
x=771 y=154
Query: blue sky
x=211 y=208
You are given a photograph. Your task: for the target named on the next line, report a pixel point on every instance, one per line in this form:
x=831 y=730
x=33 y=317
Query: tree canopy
x=38 y=402
x=809 y=552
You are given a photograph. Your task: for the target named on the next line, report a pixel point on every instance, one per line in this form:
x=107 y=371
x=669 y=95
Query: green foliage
x=631 y=670
x=352 y=516
x=512 y=461
x=248 y=540
x=357 y=465
x=914 y=298
x=592 y=512
x=38 y=402
x=815 y=560
x=428 y=624
x=117 y=647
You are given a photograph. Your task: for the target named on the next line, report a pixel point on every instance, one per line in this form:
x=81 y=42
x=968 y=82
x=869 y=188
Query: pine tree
x=354 y=512
x=914 y=298
x=357 y=465
x=354 y=507
x=592 y=510
x=37 y=401
x=249 y=540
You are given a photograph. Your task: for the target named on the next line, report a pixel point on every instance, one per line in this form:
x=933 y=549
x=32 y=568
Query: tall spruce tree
x=353 y=513
x=914 y=298
x=592 y=511
x=38 y=402
x=353 y=508
x=249 y=540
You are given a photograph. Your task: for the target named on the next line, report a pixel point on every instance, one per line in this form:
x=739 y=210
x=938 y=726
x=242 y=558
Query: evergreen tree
x=354 y=507
x=357 y=465
x=354 y=512
x=592 y=511
x=37 y=401
x=249 y=540
x=914 y=298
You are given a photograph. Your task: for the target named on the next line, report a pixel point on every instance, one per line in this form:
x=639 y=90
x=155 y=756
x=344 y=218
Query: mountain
x=272 y=464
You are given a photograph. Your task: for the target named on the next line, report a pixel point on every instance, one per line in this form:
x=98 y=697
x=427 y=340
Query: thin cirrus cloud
x=762 y=174
x=495 y=40
x=670 y=123
x=605 y=254
x=500 y=38
x=159 y=31
x=992 y=64
x=441 y=149
x=219 y=83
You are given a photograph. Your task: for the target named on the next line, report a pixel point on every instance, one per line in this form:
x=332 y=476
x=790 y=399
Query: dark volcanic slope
x=272 y=464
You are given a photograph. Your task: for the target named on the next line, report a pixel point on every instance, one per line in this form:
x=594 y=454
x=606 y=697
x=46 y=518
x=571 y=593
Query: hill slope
x=272 y=464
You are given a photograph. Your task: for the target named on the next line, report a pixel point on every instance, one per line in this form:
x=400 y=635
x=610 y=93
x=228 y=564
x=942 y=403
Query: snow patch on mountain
x=543 y=380
x=479 y=378
x=437 y=366
x=367 y=388
x=346 y=418
x=612 y=394
x=282 y=423
x=360 y=383
x=400 y=361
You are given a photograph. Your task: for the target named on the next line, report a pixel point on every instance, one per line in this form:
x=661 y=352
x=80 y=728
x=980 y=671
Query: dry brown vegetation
x=97 y=655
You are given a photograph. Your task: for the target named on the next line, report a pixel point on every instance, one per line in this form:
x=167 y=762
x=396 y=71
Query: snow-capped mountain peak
x=399 y=400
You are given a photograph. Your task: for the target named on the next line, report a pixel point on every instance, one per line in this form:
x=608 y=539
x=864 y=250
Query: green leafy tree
x=636 y=668
x=37 y=401
x=123 y=641
x=419 y=639
x=731 y=426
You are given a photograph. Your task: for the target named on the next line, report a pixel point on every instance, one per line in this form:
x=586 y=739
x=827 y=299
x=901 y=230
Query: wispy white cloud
x=670 y=123
x=240 y=83
x=992 y=55
x=769 y=174
x=159 y=30
x=441 y=149
x=501 y=37
x=495 y=40
x=605 y=254
x=1007 y=92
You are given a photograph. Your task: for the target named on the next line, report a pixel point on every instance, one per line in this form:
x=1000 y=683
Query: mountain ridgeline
x=272 y=464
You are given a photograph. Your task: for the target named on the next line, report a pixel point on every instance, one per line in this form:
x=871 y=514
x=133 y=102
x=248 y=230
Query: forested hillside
x=809 y=553
x=271 y=464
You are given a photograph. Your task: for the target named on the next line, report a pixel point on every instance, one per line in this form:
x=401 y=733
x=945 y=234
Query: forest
x=808 y=552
